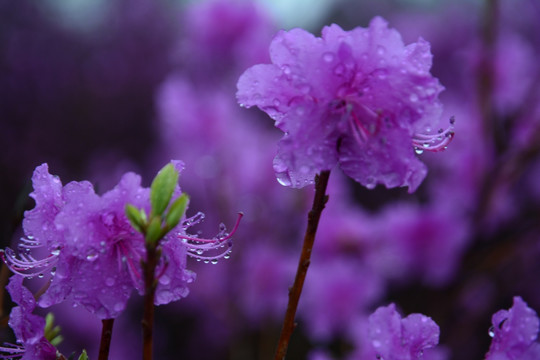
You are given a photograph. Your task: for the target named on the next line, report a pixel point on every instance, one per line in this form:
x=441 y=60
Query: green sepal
x=162 y=189
x=84 y=355
x=51 y=332
x=57 y=340
x=153 y=232
x=135 y=218
x=176 y=211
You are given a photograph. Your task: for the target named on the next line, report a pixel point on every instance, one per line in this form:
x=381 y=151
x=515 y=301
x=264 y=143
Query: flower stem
x=149 y=268
x=319 y=201
x=106 y=335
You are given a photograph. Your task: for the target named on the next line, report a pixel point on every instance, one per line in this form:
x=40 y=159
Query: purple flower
x=359 y=98
x=514 y=333
x=393 y=338
x=28 y=328
x=91 y=250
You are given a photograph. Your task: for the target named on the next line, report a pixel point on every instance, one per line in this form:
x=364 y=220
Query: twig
x=106 y=335
x=319 y=201
x=149 y=268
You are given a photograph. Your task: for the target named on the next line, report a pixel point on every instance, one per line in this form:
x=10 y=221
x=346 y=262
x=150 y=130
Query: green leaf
x=154 y=232
x=135 y=218
x=84 y=355
x=176 y=211
x=162 y=189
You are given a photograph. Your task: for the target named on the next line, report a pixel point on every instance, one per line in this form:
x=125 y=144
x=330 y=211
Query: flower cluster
x=91 y=252
x=360 y=99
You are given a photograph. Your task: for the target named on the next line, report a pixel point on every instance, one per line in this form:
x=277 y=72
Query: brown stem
x=149 y=268
x=319 y=201
x=106 y=335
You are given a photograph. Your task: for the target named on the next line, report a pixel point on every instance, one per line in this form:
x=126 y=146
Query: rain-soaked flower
x=388 y=336
x=360 y=98
x=91 y=252
x=28 y=328
x=514 y=333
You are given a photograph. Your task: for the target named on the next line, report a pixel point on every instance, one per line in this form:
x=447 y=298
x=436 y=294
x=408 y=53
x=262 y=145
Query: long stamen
x=198 y=246
x=11 y=352
x=26 y=265
x=126 y=253
x=434 y=142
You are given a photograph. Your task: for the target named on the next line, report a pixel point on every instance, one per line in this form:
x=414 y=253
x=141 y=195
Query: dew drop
x=214 y=261
x=200 y=251
x=286 y=69
x=370 y=183
x=119 y=307
x=92 y=257
x=206 y=261
x=40 y=276
x=491 y=331
x=277 y=102
x=53 y=271
x=227 y=255
x=164 y=280
x=328 y=57
x=284 y=179
x=55 y=252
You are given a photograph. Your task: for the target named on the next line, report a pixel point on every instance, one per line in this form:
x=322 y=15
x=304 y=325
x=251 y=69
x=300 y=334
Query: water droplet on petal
x=491 y=331
x=328 y=57
x=214 y=261
x=286 y=69
x=55 y=252
x=92 y=257
x=419 y=151
x=284 y=179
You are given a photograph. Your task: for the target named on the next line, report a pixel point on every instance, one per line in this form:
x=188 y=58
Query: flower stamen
x=434 y=142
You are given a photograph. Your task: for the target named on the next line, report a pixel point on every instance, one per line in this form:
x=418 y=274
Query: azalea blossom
x=514 y=333
x=28 y=328
x=92 y=254
x=386 y=335
x=361 y=99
